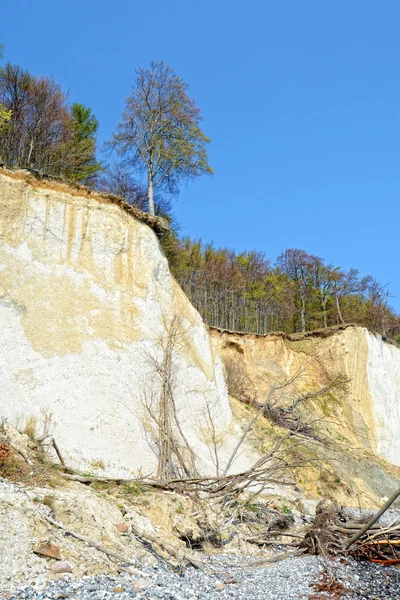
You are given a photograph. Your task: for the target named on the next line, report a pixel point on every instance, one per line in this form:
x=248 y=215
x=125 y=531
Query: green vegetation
x=132 y=489
x=159 y=133
x=5 y=117
x=41 y=131
x=299 y=293
x=286 y=510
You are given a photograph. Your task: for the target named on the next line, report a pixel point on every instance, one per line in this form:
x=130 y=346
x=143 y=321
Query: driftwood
x=179 y=555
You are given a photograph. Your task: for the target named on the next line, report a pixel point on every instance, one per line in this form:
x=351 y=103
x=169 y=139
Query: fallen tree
x=331 y=534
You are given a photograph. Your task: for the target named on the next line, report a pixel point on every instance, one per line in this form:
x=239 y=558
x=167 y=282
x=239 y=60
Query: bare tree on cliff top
x=159 y=133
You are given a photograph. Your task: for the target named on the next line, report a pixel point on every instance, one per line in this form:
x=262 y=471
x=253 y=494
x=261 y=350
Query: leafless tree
x=174 y=450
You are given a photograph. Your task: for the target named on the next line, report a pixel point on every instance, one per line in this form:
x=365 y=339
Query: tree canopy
x=39 y=129
x=159 y=133
x=300 y=292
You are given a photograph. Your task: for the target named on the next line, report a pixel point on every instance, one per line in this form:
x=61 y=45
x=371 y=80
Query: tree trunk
x=150 y=192
x=374 y=519
x=303 y=314
x=325 y=315
x=338 y=309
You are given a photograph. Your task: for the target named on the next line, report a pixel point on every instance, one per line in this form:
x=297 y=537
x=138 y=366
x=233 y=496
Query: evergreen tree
x=82 y=145
x=41 y=131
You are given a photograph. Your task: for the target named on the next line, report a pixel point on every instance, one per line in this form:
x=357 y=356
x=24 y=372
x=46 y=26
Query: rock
x=134 y=571
x=19 y=441
x=118 y=589
x=48 y=549
x=122 y=527
x=106 y=540
x=220 y=586
x=141 y=584
x=61 y=566
x=94 y=282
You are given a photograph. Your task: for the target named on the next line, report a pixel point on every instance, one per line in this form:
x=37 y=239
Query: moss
x=49 y=501
x=131 y=489
x=251 y=507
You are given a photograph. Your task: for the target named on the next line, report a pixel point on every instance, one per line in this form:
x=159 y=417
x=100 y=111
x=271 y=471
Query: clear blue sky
x=300 y=97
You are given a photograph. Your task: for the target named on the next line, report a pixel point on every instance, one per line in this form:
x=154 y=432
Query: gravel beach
x=293 y=578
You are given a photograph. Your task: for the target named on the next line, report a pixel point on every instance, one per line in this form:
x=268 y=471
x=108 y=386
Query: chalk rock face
x=367 y=413
x=384 y=382
x=86 y=303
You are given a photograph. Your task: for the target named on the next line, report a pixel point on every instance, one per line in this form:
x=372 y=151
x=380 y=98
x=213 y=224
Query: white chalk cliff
x=383 y=369
x=85 y=298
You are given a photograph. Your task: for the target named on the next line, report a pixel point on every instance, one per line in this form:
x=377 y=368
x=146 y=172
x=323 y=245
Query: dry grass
x=5 y=452
x=30 y=428
x=14 y=468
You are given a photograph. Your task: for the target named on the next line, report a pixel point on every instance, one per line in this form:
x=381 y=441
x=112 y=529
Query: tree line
x=157 y=145
x=42 y=131
x=158 y=138
x=298 y=293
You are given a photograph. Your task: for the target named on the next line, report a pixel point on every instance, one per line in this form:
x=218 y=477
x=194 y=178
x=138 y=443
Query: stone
x=122 y=527
x=48 y=549
x=220 y=586
x=106 y=540
x=61 y=566
x=133 y=571
x=141 y=584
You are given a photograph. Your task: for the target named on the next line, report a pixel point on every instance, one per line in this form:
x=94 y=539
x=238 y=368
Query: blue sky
x=301 y=99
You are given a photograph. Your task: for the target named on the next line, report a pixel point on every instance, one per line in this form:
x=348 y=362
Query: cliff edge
x=86 y=305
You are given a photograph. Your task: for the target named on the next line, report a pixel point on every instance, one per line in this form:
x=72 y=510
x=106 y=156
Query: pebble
x=61 y=566
x=291 y=579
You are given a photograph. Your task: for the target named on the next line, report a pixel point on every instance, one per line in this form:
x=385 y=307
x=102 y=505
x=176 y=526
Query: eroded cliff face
x=86 y=301
x=383 y=368
x=86 y=304
x=366 y=414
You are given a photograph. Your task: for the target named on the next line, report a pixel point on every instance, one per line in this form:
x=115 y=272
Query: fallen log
x=372 y=521
x=179 y=555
